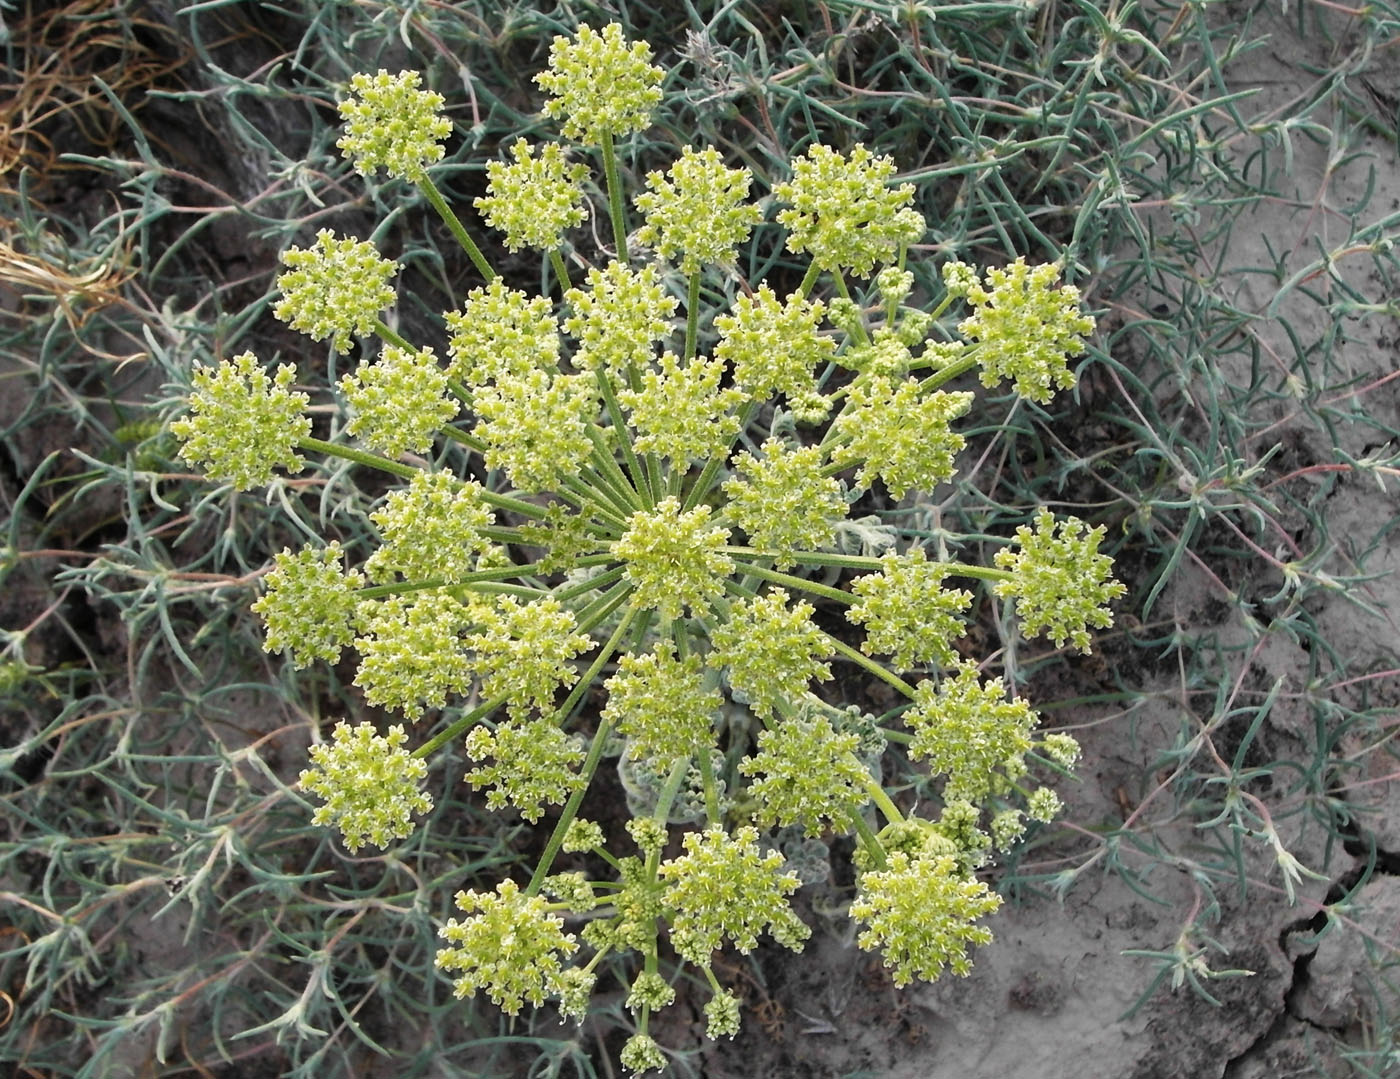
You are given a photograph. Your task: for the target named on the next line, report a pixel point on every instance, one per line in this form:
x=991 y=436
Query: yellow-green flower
x=618 y=318
x=1060 y=582
x=920 y=912
x=309 y=604
x=431 y=530
x=370 y=785
x=390 y=122
x=501 y=333
x=897 y=434
x=771 y=651
x=243 y=424
x=696 y=210
x=334 y=289
x=724 y=886
x=1026 y=329
x=535 y=200
x=682 y=413
x=843 y=213
x=968 y=731
x=536 y=426
x=662 y=706
x=511 y=946
x=673 y=558
x=907 y=613
x=534 y=763
x=784 y=502
x=773 y=346
x=600 y=85
x=399 y=402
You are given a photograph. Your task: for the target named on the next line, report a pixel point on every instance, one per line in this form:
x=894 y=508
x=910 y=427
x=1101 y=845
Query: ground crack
x=1289 y=1011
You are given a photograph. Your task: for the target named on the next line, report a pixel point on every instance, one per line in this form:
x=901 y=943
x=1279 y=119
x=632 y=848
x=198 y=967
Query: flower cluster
x=243 y=424
x=921 y=913
x=842 y=211
x=602 y=87
x=370 y=785
x=724 y=887
x=809 y=775
x=335 y=289
x=672 y=558
x=771 y=650
x=907 y=613
x=535 y=200
x=968 y=730
x=784 y=501
x=399 y=402
x=617 y=527
x=309 y=605
x=696 y=210
x=661 y=704
x=1026 y=329
x=390 y=122
x=511 y=946
x=1059 y=580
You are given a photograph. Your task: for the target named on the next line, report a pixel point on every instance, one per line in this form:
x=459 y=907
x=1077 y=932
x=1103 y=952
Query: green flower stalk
x=389 y=122
x=243 y=424
x=370 y=785
x=534 y=200
x=335 y=289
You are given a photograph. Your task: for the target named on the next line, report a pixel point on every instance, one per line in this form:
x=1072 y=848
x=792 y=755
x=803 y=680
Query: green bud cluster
x=369 y=783
x=619 y=525
x=535 y=200
x=921 y=913
x=243 y=424
x=390 y=122
x=335 y=289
